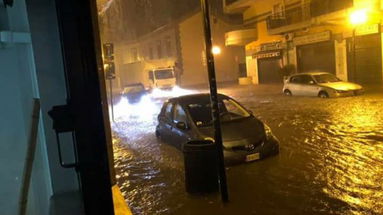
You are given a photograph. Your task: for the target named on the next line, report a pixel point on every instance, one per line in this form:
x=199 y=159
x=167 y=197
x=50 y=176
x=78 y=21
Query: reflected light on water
x=143 y=110
x=176 y=91
x=353 y=164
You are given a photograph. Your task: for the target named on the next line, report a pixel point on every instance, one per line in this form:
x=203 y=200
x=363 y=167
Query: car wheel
x=287 y=93
x=323 y=94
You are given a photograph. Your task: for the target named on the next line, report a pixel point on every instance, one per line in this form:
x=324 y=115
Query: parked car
x=134 y=92
x=187 y=118
x=321 y=84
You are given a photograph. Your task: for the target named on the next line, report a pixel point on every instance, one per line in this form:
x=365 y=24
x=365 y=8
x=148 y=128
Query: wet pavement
x=331 y=158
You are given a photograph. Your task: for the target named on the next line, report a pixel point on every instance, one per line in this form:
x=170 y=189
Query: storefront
x=365 y=62
x=269 y=61
x=315 y=52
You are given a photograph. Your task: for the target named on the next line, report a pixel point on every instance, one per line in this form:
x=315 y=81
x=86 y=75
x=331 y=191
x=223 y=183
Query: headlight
x=268 y=132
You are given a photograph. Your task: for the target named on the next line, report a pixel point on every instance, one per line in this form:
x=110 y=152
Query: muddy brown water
x=331 y=160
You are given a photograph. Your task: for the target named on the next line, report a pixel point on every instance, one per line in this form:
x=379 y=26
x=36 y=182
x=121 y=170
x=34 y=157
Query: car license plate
x=252 y=157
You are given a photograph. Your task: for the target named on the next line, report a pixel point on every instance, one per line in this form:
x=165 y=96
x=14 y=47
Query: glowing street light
x=358 y=17
x=216 y=50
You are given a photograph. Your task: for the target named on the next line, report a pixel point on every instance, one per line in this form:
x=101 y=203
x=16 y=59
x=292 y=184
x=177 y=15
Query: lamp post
x=357 y=18
x=214 y=98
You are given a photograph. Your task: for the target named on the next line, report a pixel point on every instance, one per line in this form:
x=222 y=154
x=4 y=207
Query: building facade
x=311 y=35
x=180 y=45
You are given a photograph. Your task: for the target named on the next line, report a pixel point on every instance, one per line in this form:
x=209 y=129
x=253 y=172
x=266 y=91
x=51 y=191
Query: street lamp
x=216 y=50
x=358 y=17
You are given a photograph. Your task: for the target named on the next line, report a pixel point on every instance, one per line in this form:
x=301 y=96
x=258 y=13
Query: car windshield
x=164 y=74
x=326 y=78
x=134 y=88
x=228 y=108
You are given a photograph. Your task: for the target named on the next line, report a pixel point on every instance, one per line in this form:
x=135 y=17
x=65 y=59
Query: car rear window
x=228 y=108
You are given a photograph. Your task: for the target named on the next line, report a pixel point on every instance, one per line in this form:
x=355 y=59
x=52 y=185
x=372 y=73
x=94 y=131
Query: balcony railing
x=289 y=17
x=229 y=2
x=305 y=12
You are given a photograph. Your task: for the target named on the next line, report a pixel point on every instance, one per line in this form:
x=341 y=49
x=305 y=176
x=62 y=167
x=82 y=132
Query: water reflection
x=331 y=161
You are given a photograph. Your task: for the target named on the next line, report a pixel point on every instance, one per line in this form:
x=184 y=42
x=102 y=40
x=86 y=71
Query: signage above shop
x=271 y=46
x=267 y=54
x=366 y=29
x=312 y=38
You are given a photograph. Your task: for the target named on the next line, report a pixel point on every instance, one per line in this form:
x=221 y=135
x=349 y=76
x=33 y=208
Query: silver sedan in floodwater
x=321 y=84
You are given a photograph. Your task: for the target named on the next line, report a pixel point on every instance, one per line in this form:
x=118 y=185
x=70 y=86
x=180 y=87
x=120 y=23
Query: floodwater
x=331 y=159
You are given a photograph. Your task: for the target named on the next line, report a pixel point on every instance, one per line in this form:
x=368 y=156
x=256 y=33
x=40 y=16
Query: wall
x=127 y=69
x=261 y=7
x=193 y=46
x=341 y=59
x=263 y=36
x=252 y=69
x=18 y=87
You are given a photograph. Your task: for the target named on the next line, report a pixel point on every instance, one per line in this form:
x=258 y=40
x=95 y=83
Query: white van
x=162 y=78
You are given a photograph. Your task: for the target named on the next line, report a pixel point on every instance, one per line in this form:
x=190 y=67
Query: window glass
x=326 y=78
x=134 y=54
x=179 y=114
x=168 y=111
x=159 y=49
x=164 y=74
x=228 y=108
x=296 y=79
x=234 y=108
x=168 y=46
x=305 y=79
x=134 y=88
x=151 y=56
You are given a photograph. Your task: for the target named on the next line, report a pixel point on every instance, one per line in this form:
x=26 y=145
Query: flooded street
x=330 y=162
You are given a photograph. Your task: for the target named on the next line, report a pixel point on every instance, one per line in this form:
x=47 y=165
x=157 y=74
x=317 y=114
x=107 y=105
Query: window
x=296 y=79
x=306 y=79
x=234 y=108
x=301 y=79
x=164 y=74
x=228 y=108
x=179 y=114
x=168 y=46
x=326 y=78
x=278 y=11
x=168 y=111
x=151 y=52
x=151 y=76
x=134 y=54
x=159 y=49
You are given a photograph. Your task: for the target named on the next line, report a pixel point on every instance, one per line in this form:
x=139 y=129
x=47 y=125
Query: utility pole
x=109 y=68
x=214 y=100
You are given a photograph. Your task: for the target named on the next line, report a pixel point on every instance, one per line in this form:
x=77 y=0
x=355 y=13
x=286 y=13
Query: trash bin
x=201 y=167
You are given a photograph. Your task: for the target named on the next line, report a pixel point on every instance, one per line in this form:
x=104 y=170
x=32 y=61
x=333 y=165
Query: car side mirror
x=250 y=112
x=181 y=125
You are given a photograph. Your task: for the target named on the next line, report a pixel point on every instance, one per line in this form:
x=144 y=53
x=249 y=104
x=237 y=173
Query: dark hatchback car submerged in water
x=188 y=118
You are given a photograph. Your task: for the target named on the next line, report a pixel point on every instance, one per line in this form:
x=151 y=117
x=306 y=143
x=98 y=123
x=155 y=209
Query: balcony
x=236 y=6
x=301 y=17
x=240 y=37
